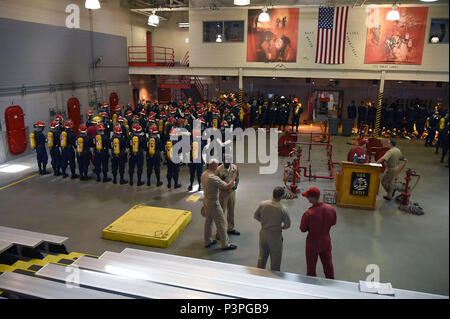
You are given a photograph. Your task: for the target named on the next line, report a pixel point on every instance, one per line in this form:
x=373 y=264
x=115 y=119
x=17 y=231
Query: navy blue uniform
x=173 y=169
x=68 y=154
x=153 y=157
x=137 y=159
x=119 y=160
x=421 y=119
x=398 y=119
x=296 y=113
x=101 y=157
x=196 y=169
x=431 y=129
x=55 y=153
x=371 y=116
x=362 y=115
x=351 y=111
x=284 y=116
x=410 y=115
x=41 y=151
x=83 y=155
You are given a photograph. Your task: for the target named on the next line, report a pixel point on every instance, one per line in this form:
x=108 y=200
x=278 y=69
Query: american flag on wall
x=331 y=32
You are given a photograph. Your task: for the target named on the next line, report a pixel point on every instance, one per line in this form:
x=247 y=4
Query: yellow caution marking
x=193 y=198
x=22 y=180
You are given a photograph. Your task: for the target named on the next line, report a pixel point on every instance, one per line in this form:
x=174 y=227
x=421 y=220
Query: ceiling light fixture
x=183 y=24
x=434 y=39
x=241 y=2
x=393 y=15
x=428 y=0
x=264 y=16
x=92 y=4
x=153 y=19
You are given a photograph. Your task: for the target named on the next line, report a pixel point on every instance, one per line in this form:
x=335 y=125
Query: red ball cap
x=311 y=192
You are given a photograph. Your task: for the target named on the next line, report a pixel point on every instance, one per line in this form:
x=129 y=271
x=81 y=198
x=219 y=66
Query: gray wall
x=33 y=53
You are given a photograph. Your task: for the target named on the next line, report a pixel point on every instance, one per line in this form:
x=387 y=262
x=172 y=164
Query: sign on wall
x=397 y=42
x=273 y=41
x=360 y=184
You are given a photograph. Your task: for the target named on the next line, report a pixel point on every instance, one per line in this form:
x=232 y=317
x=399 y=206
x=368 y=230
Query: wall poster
x=273 y=41
x=396 y=42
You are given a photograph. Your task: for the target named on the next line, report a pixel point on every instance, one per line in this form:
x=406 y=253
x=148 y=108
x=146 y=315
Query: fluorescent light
x=241 y=2
x=13 y=168
x=264 y=16
x=435 y=39
x=183 y=24
x=92 y=4
x=153 y=19
x=393 y=15
x=428 y=0
x=219 y=38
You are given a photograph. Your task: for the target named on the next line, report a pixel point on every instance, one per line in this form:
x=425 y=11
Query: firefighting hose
x=406 y=189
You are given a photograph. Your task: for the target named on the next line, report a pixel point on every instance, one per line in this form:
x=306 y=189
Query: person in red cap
x=317 y=221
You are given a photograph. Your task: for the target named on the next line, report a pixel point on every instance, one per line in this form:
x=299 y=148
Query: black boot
x=199 y=185
x=106 y=178
x=169 y=184
x=74 y=175
x=40 y=169
x=98 y=178
x=149 y=180
x=190 y=187
x=54 y=171
x=158 y=182
x=122 y=181
x=114 y=179
x=44 y=170
x=177 y=185
x=131 y=180
x=139 y=183
x=64 y=175
x=58 y=172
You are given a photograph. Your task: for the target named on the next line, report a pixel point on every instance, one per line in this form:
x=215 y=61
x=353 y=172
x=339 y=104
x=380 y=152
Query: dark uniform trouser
x=295 y=122
x=68 y=157
x=430 y=136
x=118 y=162
x=445 y=147
x=410 y=126
x=136 y=160
x=101 y=163
x=193 y=169
x=42 y=157
x=420 y=127
x=55 y=153
x=83 y=163
x=154 y=163
x=371 y=122
x=270 y=244
x=173 y=170
x=441 y=141
x=214 y=213
x=325 y=257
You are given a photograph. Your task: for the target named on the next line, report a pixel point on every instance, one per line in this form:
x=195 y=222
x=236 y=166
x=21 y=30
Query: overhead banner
x=396 y=42
x=273 y=41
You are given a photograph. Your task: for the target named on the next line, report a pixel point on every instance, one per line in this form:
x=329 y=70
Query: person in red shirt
x=317 y=221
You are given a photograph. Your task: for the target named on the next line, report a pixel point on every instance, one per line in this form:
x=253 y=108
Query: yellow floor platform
x=148 y=225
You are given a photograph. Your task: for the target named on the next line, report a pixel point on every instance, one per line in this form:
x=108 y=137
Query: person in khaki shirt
x=392 y=161
x=211 y=207
x=273 y=217
x=227 y=198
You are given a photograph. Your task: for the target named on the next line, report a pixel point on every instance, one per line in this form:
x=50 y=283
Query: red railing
x=201 y=88
x=185 y=60
x=150 y=56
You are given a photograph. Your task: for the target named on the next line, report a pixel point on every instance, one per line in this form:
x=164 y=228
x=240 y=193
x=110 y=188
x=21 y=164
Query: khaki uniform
x=392 y=160
x=213 y=211
x=227 y=198
x=271 y=214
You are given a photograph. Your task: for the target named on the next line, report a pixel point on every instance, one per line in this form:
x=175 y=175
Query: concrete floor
x=411 y=251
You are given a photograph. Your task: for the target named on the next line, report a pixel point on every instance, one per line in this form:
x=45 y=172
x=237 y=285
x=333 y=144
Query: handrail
x=185 y=60
x=151 y=55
